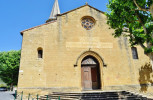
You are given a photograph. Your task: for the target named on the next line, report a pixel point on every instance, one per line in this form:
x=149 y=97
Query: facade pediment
x=80 y=8
x=58 y=15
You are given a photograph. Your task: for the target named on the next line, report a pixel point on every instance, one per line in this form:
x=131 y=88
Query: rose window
x=87 y=23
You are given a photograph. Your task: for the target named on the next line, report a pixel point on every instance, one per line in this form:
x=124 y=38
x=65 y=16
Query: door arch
x=90 y=73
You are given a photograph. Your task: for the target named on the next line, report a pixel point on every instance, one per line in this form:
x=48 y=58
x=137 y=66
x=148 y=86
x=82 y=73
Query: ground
x=8 y=95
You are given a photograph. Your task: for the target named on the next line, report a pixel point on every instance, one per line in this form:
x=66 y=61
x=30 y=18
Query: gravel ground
x=8 y=95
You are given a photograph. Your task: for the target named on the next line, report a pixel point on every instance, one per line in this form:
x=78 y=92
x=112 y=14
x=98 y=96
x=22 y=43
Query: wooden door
x=86 y=78
x=95 y=78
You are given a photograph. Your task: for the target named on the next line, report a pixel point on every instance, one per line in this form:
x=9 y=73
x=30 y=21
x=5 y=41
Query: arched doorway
x=90 y=73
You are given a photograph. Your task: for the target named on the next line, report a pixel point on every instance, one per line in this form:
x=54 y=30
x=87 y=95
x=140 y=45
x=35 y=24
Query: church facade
x=75 y=51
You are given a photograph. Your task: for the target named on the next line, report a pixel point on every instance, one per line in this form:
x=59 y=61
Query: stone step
x=119 y=95
x=95 y=99
x=84 y=95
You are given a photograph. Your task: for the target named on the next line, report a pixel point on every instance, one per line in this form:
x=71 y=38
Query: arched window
x=40 y=53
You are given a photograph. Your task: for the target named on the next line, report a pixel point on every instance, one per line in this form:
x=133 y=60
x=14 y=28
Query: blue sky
x=18 y=15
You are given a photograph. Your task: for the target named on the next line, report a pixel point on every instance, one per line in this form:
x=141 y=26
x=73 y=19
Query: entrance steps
x=111 y=95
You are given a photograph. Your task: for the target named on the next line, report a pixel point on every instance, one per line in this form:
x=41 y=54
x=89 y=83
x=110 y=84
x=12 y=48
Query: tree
x=135 y=17
x=9 y=67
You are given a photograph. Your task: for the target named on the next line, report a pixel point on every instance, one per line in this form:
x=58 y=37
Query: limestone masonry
x=77 y=52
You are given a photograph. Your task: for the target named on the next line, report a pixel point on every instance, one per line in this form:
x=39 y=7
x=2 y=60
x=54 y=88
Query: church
x=75 y=51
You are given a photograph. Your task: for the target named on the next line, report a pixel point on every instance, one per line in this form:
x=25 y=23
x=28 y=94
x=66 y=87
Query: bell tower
x=55 y=11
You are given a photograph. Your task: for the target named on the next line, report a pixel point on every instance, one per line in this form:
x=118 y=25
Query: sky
x=18 y=15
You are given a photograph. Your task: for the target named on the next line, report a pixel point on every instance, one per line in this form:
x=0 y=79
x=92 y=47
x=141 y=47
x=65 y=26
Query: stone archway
x=100 y=61
x=90 y=73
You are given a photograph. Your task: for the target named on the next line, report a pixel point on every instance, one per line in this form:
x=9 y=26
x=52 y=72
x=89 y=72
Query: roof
x=37 y=26
x=79 y=8
x=60 y=15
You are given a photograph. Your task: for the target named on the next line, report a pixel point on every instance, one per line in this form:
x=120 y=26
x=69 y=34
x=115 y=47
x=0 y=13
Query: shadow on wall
x=145 y=77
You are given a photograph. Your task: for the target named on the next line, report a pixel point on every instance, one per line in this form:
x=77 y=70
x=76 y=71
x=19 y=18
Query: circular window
x=88 y=23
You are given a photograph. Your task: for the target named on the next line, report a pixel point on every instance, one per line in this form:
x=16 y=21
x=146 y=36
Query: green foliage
x=2 y=85
x=9 y=66
x=125 y=14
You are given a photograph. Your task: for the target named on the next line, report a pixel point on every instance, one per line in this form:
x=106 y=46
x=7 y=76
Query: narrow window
x=134 y=53
x=40 y=53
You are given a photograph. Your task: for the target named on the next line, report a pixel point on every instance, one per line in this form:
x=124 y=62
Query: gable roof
x=61 y=15
x=79 y=8
x=36 y=27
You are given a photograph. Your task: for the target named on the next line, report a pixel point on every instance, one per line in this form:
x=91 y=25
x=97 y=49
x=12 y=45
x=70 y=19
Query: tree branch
x=140 y=8
x=151 y=10
x=139 y=19
x=142 y=46
x=131 y=36
x=145 y=31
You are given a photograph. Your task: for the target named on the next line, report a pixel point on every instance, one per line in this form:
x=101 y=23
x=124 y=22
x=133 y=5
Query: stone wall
x=65 y=43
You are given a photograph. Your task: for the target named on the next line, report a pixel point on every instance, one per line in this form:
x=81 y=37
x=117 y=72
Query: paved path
x=6 y=95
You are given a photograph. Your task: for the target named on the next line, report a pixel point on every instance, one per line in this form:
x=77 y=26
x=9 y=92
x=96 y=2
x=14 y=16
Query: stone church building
x=75 y=51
